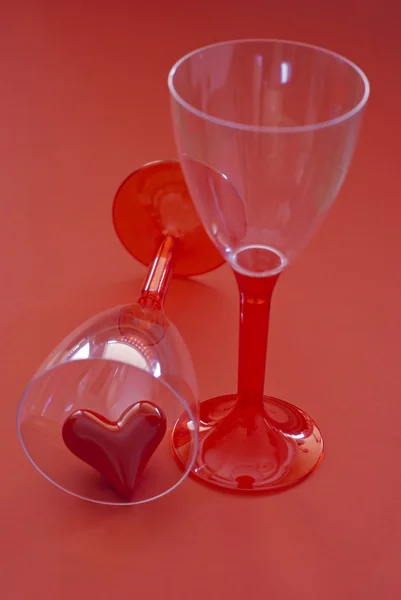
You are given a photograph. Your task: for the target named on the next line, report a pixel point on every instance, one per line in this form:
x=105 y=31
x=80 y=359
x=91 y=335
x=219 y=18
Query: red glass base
x=154 y=202
x=251 y=450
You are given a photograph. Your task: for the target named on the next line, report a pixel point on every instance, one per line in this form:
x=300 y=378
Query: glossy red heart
x=118 y=450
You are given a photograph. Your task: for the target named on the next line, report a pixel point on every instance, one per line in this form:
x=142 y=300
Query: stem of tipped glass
x=255 y=299
x=156 y=283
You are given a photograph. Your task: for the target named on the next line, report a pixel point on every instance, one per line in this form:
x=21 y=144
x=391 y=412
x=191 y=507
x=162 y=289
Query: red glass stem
x=255 y=299
x=155 y=287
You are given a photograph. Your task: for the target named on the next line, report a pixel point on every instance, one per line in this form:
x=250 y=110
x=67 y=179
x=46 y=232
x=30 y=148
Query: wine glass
x=265 y=131
x=106 y=400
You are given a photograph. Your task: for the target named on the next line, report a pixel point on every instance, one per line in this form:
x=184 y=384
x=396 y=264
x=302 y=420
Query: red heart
x=118 y=450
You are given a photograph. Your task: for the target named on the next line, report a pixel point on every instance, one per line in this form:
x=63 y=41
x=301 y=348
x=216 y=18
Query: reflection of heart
x=118 y=450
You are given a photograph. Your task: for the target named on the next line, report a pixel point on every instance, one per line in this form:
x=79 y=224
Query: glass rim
x=267 y=128
x=185 y=404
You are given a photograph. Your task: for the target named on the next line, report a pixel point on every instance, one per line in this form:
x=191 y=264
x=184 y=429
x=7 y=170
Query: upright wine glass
x=265 y=131
x=108 y=397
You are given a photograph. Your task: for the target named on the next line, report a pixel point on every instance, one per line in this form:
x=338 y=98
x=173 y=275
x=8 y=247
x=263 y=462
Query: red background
x=83 y=102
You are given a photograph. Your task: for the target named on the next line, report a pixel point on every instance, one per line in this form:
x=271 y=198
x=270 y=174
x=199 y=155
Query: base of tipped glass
x=251 y=450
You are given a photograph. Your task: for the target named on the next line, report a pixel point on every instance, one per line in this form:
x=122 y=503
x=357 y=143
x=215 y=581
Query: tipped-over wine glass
x=265 y=131
x=98 y=416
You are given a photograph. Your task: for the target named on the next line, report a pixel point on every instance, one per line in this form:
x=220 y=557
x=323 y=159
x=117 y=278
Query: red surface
x=119 y=451
x=84 y=102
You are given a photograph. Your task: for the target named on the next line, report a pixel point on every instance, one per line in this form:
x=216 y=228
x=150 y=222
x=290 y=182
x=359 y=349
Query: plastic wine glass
x=106 y=400
x=265 y=131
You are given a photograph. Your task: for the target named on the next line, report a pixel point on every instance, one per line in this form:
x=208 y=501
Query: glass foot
x=154 y=202
x=248 y=449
